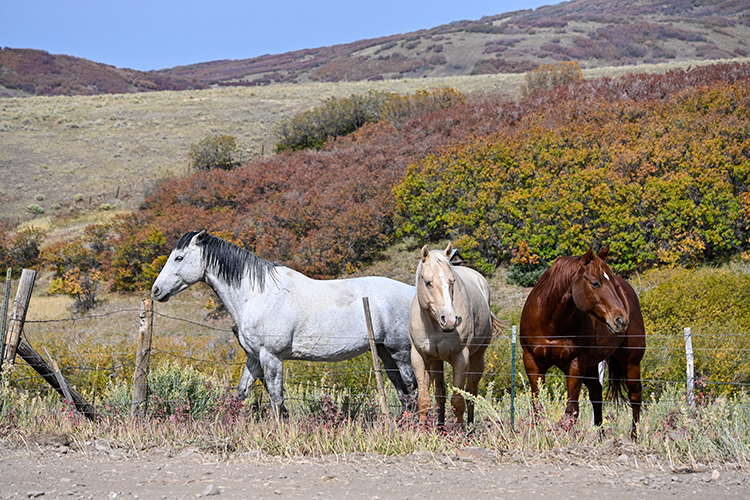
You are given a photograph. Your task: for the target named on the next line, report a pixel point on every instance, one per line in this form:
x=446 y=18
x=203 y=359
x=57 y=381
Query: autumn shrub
x=549 y=76
x=715 y=305
x=215 y=151
x=652 y=179
x=21 y=249
x=84 y=287
x=401 y=108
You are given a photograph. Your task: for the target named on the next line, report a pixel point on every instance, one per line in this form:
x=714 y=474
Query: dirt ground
x=616 y=470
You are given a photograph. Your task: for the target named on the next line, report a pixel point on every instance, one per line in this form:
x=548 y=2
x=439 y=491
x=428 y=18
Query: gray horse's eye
x=178 y=258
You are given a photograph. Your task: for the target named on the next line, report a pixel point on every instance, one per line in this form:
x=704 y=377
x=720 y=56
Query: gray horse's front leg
x=250 y=374
x=273 y=373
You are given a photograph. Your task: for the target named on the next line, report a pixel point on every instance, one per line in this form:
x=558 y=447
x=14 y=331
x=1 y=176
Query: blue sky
x=157 y=34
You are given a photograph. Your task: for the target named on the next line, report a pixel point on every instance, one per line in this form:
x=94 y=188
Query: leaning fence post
x=143 y=358
x=5 y=317
x=20 y=306
x=513 y=377
x=690 y=365
x=375 y=361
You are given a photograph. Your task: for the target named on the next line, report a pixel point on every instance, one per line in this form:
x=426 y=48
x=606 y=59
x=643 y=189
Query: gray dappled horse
x=282 y=314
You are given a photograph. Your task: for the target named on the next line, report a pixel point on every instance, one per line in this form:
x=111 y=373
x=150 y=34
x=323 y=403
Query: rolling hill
x=594 y=33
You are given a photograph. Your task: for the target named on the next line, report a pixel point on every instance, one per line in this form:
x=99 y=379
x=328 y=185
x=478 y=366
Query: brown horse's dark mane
x=555 y=281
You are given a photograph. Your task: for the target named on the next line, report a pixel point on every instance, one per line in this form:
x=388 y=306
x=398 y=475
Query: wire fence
x=97 y=352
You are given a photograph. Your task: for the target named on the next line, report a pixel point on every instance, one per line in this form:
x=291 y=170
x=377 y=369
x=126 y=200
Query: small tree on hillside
x=549 y=76
x=217 y=151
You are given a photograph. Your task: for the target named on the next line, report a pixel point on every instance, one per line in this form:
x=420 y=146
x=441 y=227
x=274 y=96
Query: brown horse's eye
x=596 y=284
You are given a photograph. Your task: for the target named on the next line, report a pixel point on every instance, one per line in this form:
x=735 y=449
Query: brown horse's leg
x=535 y=375
x=633 y=381
x=476 y=369
x=595 y=392
x=423 y=384
x=573 y=379
x=436 y=374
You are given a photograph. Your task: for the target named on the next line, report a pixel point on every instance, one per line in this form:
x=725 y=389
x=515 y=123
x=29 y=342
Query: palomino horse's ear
x=587 y=257
x=425 y=253
x=604 y=253
x=448 y=252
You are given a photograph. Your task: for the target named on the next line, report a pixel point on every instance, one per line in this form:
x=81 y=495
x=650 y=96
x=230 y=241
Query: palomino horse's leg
x=595 y=392
x=476 y=369
x=273 y=371
x=438 y=379
x=460 y=366
x=423 y=384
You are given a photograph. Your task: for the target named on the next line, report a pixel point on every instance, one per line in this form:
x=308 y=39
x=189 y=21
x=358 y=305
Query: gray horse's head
x=185 y=266
x=198 y=255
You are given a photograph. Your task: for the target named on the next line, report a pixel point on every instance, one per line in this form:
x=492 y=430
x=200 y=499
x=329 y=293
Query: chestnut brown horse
x=578 y=314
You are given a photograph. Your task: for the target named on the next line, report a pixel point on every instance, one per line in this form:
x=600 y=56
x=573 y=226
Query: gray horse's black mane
x=230 y=261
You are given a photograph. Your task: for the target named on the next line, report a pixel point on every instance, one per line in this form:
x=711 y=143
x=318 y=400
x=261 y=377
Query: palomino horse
x=578 y=314
x=450 y=320
x=281 y=314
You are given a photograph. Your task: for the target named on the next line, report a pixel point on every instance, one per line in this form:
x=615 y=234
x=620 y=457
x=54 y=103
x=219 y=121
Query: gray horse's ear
x=448 y=252
x=425 y=253
x=198 y=238
x=604 y=253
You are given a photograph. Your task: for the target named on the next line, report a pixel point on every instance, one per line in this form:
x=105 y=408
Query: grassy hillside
x=72 y=155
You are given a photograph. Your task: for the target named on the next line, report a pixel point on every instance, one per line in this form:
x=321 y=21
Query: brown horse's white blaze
x=450 y=320
x=579 y=314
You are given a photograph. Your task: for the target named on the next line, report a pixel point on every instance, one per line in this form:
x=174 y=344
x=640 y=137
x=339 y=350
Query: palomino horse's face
x=595 y=291
x=435 y=286
x=184 y=267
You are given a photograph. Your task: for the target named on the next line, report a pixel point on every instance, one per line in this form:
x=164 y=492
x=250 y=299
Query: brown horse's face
x=435 y=287
x=595 y=292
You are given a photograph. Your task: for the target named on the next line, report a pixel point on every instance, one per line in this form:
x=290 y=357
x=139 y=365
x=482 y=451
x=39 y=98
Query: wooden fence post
x=143 y=358
x=5 y=317
x=20 y=306
x=690 y=368
x=375 y=361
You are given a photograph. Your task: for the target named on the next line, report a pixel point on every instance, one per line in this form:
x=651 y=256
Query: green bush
x=334 y=118
x=217 y=151
x=715 y=304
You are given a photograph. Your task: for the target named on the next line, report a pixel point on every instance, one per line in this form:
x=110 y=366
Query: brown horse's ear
x=587 y=257
x=448 y=252
x=604 y=253
x=425 y=253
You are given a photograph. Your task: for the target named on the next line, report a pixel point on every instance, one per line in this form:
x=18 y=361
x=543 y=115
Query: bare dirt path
x=36 y=471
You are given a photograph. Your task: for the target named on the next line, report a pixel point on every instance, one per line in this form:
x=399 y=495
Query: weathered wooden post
x=143 y=358
x=20 y=306
x=5 y=317
x=375 y=360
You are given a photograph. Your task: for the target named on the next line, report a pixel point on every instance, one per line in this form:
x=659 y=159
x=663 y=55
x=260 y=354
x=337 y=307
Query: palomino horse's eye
x=596 y=284
x=428 y=284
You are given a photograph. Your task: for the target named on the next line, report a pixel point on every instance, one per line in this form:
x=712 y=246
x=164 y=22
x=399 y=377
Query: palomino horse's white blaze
x=281 y=314
x=451 y=321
